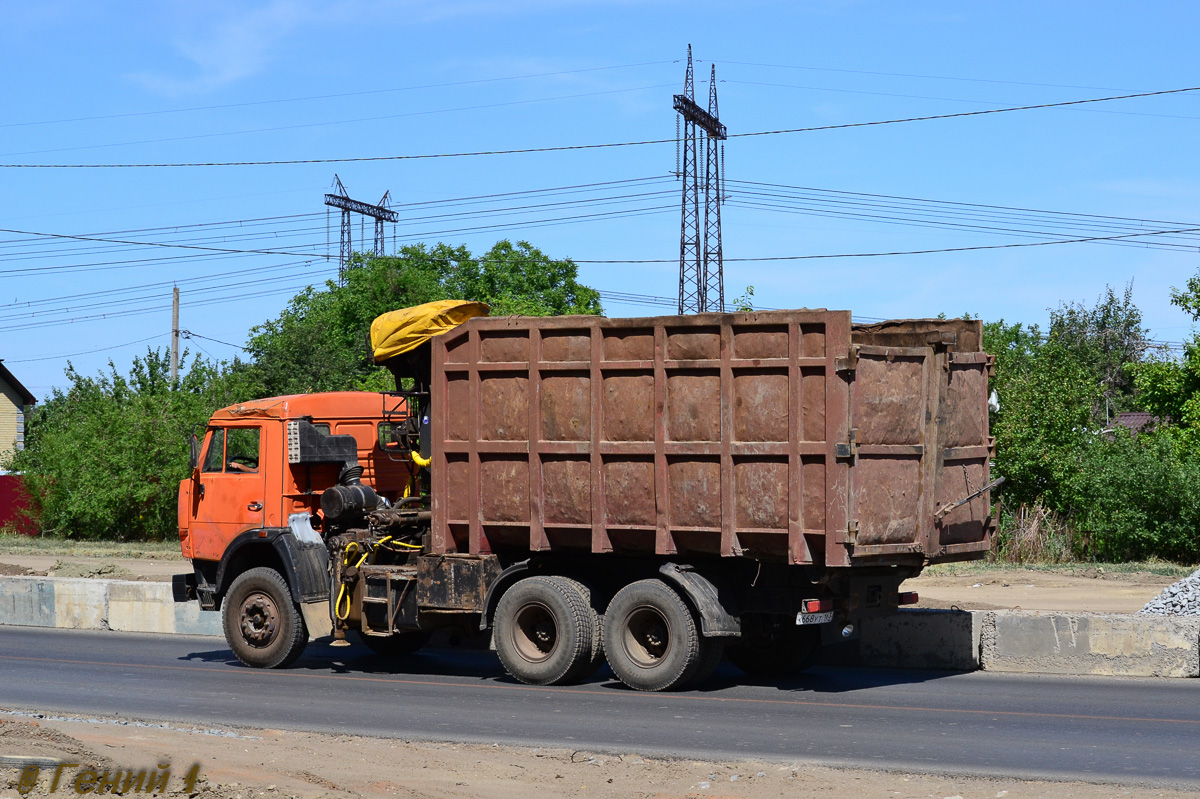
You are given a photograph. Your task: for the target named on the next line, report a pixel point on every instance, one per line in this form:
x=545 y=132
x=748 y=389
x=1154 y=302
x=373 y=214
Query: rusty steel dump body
x=789 y=436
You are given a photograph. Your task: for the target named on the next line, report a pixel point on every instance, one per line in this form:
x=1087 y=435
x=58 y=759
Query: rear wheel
x=263 y=626
x=545 y=630
x=774 y=649
x=651 y=639
x=397 y=645
x=586 y=668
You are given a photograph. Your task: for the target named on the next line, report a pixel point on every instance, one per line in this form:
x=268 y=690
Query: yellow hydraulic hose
x=337 y=606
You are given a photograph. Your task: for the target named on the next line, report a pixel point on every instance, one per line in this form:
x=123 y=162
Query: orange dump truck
x=658 y=493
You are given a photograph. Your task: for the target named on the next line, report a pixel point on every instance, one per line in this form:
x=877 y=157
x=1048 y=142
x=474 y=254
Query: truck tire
x=544 y=630
x=397 y=645
x=586 y=668
x=263 y=626
x=766 y=650
x=651 y=639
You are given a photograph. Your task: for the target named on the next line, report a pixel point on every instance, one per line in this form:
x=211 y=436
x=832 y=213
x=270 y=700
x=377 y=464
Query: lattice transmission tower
x=701 y=260
x=380 y=213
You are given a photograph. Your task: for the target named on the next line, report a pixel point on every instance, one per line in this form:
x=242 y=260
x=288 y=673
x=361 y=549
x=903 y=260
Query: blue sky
x=173 y=82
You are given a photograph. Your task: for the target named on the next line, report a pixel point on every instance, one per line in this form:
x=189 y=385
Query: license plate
x=814 y=618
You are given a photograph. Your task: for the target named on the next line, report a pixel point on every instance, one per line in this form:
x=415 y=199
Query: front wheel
x=263 y=626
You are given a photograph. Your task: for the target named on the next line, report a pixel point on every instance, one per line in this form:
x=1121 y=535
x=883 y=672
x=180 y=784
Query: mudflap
x=316 y=619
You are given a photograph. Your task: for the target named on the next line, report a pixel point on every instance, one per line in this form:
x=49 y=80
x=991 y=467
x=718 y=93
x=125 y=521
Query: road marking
x=278 y=674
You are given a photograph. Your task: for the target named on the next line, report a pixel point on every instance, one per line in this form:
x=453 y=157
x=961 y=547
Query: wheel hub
x=647 y=637
x=259 y=619
x=535 y=633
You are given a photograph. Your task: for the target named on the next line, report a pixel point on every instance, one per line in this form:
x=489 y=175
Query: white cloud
x=229 y=45
x=226 y=42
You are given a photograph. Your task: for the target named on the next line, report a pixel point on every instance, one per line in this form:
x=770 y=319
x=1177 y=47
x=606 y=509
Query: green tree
x=1169 y=387
x=1015 y=348
x=319 y=342
x=1141 y=498
x=104 y=458
x=1044 y=421
x=1106 y=338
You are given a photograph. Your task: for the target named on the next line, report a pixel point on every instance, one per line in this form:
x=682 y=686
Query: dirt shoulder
x=152 y=561
x=271 y=764
x=1078 y=590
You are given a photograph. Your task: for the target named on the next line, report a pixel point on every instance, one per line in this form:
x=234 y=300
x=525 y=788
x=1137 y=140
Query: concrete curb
x=952 y=640
x=86 y=604
x=1077 y=643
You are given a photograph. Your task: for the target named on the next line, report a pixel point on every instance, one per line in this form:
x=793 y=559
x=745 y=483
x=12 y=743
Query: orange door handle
x=254 y=506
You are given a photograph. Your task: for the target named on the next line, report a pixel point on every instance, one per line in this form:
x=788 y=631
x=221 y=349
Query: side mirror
x=194 y=456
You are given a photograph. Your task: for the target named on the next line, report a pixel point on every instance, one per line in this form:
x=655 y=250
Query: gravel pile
x=1180 y=599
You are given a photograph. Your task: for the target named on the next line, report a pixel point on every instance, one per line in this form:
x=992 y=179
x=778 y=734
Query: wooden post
x=174 y=334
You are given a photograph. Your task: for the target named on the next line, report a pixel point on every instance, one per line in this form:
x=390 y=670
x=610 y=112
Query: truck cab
x=252 y=503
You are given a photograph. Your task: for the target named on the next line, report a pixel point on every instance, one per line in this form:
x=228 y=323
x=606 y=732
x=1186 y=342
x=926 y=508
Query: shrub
x=1140 y=498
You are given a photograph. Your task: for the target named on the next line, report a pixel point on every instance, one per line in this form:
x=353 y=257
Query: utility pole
x=380 y=213
x=701 y=260
x=174 y=334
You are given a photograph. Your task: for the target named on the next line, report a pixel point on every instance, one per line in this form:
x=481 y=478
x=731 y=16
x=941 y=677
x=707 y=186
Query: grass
x=31 y=545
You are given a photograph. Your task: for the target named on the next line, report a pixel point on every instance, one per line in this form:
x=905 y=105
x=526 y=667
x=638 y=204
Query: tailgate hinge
x=848 y=363
x=849 y=449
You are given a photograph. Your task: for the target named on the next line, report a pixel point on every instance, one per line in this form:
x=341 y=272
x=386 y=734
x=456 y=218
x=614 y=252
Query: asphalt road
x=1127 y=730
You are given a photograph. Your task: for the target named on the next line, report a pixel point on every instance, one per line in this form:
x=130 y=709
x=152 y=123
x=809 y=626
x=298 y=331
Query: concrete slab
x=140 y=607
x=80 y=604
x=922 y=639
x=191 y=620
x=1077 y=643
x=27 y=601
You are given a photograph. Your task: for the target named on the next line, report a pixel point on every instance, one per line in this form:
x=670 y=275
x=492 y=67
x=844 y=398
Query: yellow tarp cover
x=397 y=332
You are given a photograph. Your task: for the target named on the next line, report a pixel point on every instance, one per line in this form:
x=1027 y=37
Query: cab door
x=231 y=490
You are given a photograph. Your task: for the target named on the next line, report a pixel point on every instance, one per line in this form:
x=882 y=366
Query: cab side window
x=241 y=450
x=233 y=450
x=214 y=460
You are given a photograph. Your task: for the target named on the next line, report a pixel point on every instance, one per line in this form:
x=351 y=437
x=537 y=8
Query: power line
x=926 y=97
x=359 y=120
x=151 y=309
x=105 y=237
x=923 y=77
x=110 y=302
x=957 y=203
x=241 y=224
x=606 y=145
x=892 y=209
x=147 y=243
x=904 y=252
x=1038 y=106
x=86 y=352
x=958 y=226
x=229 y=251
x=190 y=334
